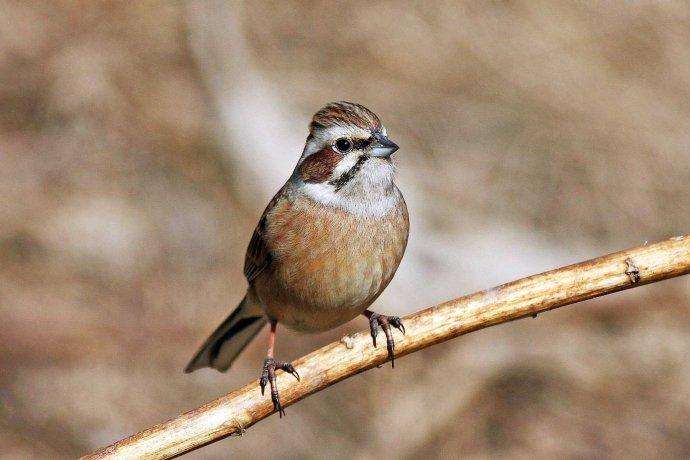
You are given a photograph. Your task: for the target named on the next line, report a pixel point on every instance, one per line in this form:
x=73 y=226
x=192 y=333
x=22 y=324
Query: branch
x=236 y=411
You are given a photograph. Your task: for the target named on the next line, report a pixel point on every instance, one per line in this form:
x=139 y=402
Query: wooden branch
x=237 y=411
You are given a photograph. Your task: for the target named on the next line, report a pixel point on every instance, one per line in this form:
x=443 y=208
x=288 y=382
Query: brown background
x=140 y=141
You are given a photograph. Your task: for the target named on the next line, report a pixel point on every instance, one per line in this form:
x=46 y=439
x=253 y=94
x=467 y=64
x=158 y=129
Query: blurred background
x=140 y=142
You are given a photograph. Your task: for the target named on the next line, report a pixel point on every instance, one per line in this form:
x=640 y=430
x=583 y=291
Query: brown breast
x=327 y=265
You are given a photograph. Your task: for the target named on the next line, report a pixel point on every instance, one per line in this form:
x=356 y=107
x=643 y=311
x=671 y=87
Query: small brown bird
x=327 y=245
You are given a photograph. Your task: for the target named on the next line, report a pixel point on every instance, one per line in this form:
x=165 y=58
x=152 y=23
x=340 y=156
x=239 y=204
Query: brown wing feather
x=258 y=256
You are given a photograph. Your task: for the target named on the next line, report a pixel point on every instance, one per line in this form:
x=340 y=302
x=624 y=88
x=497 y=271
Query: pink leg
x=272 y=338
x=268 y=374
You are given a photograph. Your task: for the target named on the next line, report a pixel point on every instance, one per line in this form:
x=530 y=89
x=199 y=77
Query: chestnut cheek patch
x=319 y=166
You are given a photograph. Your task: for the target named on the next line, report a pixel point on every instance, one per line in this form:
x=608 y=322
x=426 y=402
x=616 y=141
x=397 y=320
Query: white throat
x=370 y=193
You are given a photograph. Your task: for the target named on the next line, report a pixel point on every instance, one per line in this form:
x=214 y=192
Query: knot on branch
x=632 y=271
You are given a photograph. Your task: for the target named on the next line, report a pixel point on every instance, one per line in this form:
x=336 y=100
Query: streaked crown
x=345 y=113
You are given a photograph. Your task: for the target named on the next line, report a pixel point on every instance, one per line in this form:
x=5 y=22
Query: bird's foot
x=268 y=376
x=376 y=320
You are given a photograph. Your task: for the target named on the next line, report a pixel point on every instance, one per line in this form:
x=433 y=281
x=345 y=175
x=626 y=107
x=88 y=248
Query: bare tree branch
x=236 y=411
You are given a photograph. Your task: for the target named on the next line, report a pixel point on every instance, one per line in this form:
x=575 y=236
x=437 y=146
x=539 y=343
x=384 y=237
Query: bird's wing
x=259 y=256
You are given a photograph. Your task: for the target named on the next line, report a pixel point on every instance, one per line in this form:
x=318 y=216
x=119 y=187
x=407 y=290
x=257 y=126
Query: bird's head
x=347 y=152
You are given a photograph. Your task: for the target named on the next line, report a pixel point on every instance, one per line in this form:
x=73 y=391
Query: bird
x=326 y=246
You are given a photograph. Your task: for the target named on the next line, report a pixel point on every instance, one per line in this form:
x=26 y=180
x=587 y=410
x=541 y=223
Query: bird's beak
x=383 y=147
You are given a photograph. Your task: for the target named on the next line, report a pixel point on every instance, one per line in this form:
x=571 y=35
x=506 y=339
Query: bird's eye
x=343 y=144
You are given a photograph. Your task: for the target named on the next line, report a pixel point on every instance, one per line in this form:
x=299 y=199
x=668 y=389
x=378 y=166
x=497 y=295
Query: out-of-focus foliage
x=139 y=142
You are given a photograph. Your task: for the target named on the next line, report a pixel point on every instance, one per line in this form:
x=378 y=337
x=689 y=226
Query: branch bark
x=237 y=411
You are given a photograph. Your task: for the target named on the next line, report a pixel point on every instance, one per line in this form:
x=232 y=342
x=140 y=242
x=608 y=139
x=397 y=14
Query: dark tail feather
x=228 y=341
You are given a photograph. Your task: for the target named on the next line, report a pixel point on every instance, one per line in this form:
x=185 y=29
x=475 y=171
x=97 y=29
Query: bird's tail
x=230 y=338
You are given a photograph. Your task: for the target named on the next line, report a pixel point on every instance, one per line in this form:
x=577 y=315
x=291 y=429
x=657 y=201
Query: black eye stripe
x=360 y=144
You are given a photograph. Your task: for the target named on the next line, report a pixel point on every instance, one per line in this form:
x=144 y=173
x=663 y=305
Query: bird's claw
x=289 y=368
x=268 y=376
x=374 y=327
x=376 y=320
x=396 y=322
x=263 y=381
